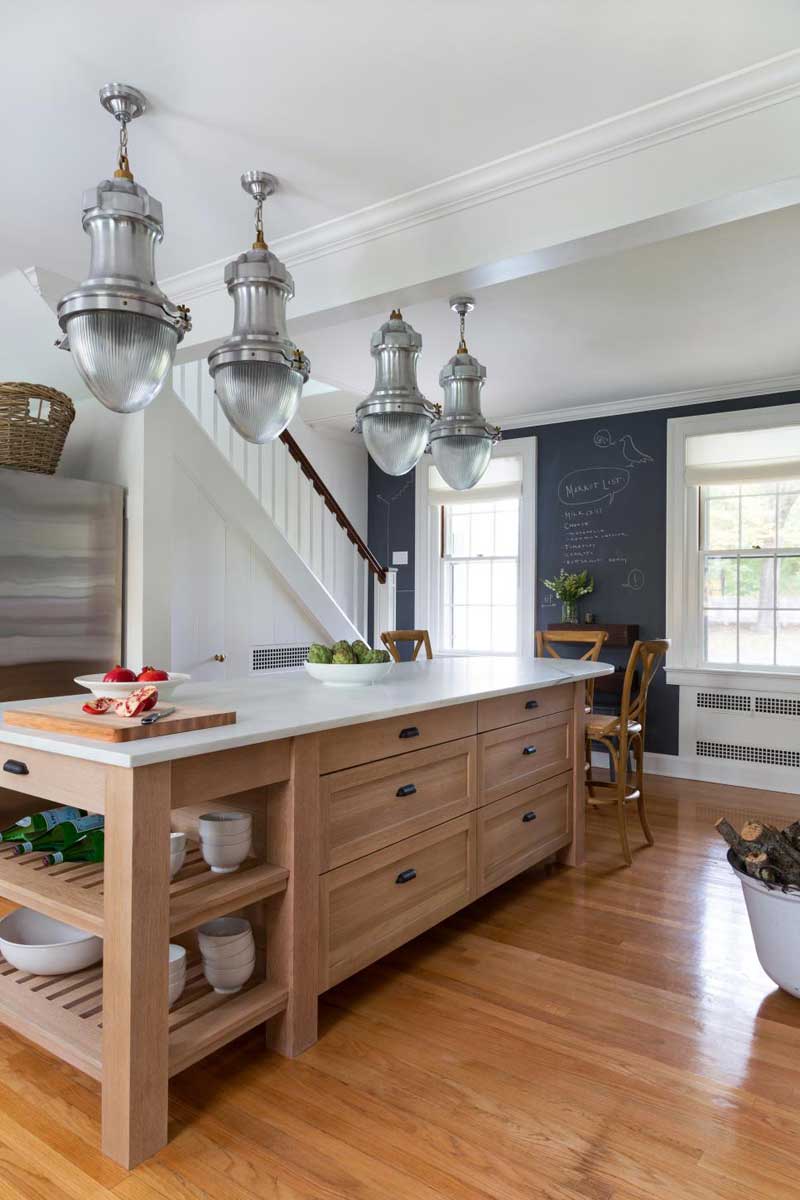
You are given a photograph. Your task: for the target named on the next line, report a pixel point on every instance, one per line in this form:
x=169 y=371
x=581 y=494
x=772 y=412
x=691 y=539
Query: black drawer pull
x=15 y=767
x=532 y=704
x=408 y=789
x=406 y=876
x=409 y=731
x=528 y=816
x=528 y=749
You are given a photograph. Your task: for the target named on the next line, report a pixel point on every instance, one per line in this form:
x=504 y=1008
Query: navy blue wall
x=601 y=502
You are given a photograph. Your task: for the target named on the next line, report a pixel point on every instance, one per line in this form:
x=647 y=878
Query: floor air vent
x=278 y=658
x=779 y=706
x=749 y=754
x=723 y=700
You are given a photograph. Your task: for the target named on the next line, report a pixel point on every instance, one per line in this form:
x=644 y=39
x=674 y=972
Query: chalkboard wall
x=601 y=500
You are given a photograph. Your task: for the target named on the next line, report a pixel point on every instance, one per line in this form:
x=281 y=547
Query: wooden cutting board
x=67 y=716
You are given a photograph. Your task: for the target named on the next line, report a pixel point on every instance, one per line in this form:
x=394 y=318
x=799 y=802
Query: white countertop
x=290 y=703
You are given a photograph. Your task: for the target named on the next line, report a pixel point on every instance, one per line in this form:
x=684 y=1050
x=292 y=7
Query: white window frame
x=685 y=663
x=427 y=577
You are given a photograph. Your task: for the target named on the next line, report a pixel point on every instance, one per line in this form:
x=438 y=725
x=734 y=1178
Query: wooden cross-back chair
x=594 y=639
x=624 y=733
x=419 y=637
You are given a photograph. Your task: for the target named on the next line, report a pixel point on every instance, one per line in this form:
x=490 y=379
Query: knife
x=152 y=717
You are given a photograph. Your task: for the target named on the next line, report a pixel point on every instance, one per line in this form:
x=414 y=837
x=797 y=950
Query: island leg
x=135 y=958
x=293 y=920
x=574 y=855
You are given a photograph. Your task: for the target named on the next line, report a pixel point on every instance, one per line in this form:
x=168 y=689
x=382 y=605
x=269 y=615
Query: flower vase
x=569 y=612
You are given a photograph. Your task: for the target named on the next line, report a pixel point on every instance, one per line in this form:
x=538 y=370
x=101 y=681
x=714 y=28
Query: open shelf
x=73 y=892
x=64 y=1014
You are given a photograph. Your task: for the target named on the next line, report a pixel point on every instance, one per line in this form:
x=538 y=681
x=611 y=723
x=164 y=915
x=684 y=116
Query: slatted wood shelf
x=64 y=1014
x=73 y=892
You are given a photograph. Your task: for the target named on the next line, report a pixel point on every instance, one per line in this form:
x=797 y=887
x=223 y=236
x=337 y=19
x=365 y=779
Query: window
x=733 y=543
x=474 y=556
x=479 y=576
x=750 y=546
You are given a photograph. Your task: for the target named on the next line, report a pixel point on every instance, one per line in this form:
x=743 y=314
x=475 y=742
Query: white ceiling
x=700 y=310
x=349 y=102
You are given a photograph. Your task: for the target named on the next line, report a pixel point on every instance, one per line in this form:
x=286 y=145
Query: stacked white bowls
x=177 y=972
x=177 y=853
x=229 y=953
x=225 y=839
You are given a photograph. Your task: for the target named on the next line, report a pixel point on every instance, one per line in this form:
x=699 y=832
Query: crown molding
x=719 y=393
x=727 y=98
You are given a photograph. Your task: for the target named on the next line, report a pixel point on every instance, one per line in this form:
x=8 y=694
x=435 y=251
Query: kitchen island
x=377 y=813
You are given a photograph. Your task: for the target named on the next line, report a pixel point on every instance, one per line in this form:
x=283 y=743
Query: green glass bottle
x=40 y=822
x=90 y=848
x=61 y=836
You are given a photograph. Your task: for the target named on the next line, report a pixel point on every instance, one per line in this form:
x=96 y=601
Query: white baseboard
x=770 y=779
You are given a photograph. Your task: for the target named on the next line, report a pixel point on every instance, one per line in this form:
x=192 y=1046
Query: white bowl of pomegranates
x=120 y=682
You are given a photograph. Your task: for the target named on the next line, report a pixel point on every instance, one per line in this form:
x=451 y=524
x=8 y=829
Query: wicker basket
x=34 y=423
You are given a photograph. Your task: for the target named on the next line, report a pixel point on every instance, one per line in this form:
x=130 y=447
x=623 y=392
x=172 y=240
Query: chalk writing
x=589 y=484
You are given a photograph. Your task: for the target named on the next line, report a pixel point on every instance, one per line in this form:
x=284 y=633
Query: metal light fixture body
x=258 y=371
x=461 y=439
x=122 y=330
x=395 y=418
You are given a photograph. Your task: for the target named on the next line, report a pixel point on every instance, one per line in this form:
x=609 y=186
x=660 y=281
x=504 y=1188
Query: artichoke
x=360 y=651
x=342 y=654
x=377 y=656
x=318 y=653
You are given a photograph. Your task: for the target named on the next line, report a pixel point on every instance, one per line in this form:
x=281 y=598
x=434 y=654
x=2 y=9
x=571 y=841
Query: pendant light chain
x=123 y=170
x=462 y=345
x=259 y=243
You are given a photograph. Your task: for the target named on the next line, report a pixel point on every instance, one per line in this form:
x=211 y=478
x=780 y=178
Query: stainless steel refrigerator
x=61 y=566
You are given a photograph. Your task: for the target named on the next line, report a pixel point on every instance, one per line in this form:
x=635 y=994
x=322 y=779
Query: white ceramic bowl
x=227 y=962
x=177 y=853
x=118 y=691
x=348 y=674
x=223 y=931
x=225 y=981
x=33 y=942
x=177 y=972
x=225 y=857
x=225 y=825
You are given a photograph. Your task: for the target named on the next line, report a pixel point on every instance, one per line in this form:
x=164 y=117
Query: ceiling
x=349 y=103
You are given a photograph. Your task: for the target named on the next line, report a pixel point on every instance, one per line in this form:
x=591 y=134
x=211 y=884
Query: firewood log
x=780 y=850
x=758 y=866
x=733 y=839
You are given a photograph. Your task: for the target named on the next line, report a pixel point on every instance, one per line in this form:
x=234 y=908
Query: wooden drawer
x=520 y=830
x=366 y=908
x=354 y=744
x=54 y=777
x=513 y=758
x=524 y=706
x=366 y=808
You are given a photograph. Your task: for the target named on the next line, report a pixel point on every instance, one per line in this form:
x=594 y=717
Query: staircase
x=280 y=476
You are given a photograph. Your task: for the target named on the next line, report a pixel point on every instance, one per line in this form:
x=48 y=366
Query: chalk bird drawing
x=630 y=451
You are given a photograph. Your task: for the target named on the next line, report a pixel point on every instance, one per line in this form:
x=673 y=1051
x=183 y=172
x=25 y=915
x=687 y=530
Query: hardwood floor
x=599 y=1034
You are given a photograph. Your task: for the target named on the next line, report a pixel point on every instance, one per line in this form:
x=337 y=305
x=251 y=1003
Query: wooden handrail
x=333 y=506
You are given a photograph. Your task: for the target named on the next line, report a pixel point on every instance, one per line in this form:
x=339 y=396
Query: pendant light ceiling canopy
x=258 y=371
x=395 y=418
x=122 y=330
x=460 y=439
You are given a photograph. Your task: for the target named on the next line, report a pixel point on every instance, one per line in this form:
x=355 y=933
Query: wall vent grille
x=278 y=658
x=749 y=754
x=779 y=706
x=723 y=700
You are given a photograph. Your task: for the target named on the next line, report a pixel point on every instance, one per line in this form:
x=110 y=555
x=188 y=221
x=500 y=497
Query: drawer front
x=520 y=830
x=55 y=777
x=524 y=706
x=366 y=808
x=354 y=744
x=513 y=758
x=371 y=906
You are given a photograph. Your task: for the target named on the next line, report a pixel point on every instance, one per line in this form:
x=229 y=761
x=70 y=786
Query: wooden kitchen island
x=377 y=813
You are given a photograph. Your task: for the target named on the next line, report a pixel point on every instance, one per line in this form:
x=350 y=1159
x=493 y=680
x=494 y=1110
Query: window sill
x=735 y=677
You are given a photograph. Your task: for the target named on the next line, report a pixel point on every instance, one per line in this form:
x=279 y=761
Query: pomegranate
x=137 y=702
x=119 y=674
x=151 y=675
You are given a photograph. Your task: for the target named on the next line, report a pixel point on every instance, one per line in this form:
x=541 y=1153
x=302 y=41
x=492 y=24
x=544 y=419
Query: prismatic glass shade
x=123 y=358
x=461 y=460
x=395 y=441
x=258 y=398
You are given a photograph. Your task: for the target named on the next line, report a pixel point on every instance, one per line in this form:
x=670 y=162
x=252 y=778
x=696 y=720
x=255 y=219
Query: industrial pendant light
x=395 y=418
x=461 y=440
x=121 y=328
x=258 y=371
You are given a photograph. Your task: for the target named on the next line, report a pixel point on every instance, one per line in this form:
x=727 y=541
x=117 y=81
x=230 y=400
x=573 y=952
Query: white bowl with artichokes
x=347 y=664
